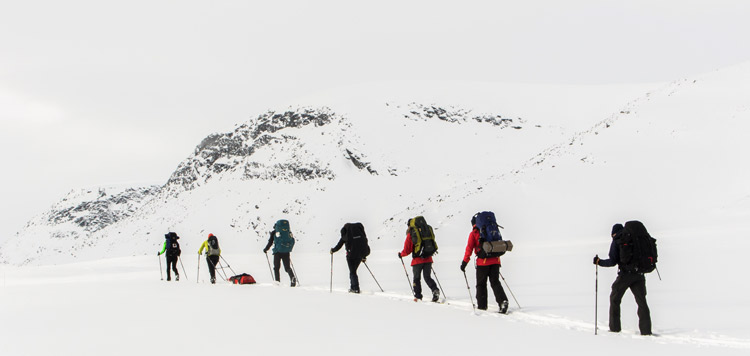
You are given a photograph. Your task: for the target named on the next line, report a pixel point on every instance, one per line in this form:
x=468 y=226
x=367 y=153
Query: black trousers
x=212 y=261
x=277 y=259
x=426 y=270
x=172 y=261
x=353 y=264
x=491 y=272
x=636 y=282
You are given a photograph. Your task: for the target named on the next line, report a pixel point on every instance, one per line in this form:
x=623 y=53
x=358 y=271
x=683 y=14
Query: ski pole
x=509 y=290
x=160 y=272
x=228 y=266
x=373 y=276
x=331 y=273
x=296 y=278
x=439 y=285
x=183 y=267
x=269 y=266
x=198 y=277
x=408 y=280
x=596 y=300
x=469 y=288
x=657 y=272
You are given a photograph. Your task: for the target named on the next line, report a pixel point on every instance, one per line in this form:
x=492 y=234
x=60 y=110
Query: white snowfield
x=673 y=157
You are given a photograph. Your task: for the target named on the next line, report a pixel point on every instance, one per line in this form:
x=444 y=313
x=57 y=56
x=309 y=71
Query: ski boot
x=504 y=307
x=435 y=295
x=177 y=277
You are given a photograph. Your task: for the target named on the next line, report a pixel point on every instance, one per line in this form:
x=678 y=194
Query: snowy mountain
x=70 y=226
x=304 y=164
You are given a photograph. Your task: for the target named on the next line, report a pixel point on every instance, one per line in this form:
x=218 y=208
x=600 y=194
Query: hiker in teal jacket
x=282 y=240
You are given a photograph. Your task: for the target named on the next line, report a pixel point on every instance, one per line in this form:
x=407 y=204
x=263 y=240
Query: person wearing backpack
x=172 y=249
x=487 y=266
x=628 y=276
x=213 y=253
x=420 y=243
x=282 y=240
x=357 y=249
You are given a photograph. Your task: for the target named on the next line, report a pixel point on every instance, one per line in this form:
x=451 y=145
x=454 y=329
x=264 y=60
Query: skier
x=354 y=238
x=172 y=248
x=282 y=240
x=635 y=281
x=213 y=252
x=487 y=268
x=419 y=265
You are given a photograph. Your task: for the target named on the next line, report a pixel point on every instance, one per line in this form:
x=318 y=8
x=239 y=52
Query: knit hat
x=616 y=228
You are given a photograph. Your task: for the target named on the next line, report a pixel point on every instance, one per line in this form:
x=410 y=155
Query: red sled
x=242 y=279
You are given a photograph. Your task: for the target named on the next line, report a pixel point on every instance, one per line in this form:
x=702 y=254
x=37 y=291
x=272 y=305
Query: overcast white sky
x=99 y=92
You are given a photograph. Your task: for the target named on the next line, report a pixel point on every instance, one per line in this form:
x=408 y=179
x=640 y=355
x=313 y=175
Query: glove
x=463 y=266
x=364 y=260
x=596 y=260
x=158 y=253
x=332 y=251
x=265 y=250
x=399 y=254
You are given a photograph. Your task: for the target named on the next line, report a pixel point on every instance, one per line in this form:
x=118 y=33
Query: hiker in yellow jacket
x=211 y=245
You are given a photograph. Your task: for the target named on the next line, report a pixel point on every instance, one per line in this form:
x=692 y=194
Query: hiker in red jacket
x=420 y=265
x=486 y=268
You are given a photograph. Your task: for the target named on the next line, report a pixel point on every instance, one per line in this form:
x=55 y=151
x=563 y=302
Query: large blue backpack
x=283 y=241
x=491 y=242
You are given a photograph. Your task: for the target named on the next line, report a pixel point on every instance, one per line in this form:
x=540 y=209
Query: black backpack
x=355 y=240
x=422 y=237
x=637 y=248
x=173 y=247
x=213 y=246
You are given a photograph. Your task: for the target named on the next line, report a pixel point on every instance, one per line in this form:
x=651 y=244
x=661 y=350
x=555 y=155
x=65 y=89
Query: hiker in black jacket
x=635 y=281
x=172 y=249
x=354 y=238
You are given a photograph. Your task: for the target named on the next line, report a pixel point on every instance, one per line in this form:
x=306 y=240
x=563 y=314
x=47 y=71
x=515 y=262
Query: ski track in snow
x=517 y=314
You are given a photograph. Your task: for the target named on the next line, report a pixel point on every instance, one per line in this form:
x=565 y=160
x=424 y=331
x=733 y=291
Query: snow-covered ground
x=120 y=307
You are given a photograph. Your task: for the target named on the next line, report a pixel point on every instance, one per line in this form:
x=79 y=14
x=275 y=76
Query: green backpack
x=283 y=241
x=422 y=237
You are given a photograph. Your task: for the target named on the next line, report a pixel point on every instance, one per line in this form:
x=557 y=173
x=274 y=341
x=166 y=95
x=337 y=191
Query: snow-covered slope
x=367 y=156
x=70 y=226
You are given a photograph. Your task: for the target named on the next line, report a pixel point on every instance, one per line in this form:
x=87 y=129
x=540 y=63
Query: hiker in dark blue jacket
x=636 y=282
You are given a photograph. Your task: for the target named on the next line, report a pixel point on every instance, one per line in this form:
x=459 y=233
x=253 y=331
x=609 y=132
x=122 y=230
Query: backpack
x=242 y=279
x=213 y=246
x=491 y=243
x=173 y=247
x=355 y=239
x=283 y=241
x=637 y=248
x=422 y=237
